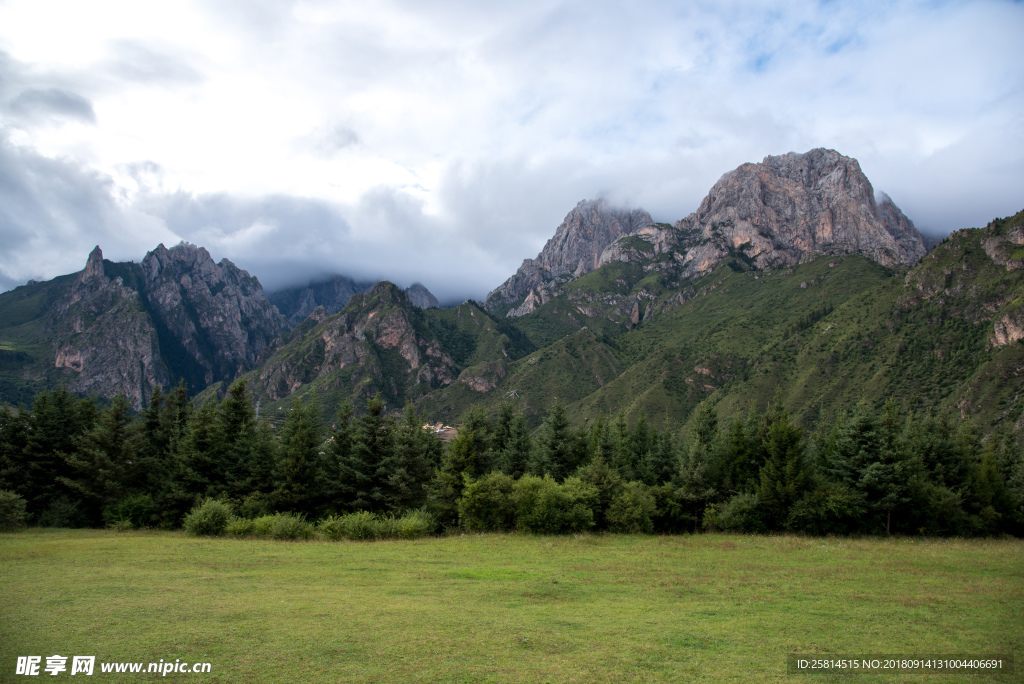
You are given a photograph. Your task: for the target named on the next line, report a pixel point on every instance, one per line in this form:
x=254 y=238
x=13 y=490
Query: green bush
x=239 y=527
x=62 y=512
x=363 y=525
x=415 y=524
x=284 y=526
x=488 y=503
x=290 y=526
x=254 y=506
x=331 y=527
x=544 y=506
x=137 y=510
x=741 y=513
x=632 y=510
x=671 y=515
x=263 y=526
x=209 y=518
x=12 y=510
x=830 y=509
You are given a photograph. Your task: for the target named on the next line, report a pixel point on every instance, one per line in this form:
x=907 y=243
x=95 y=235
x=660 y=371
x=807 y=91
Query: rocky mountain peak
x=94 y=264
x=574 y=250
x=793 y=206
x=217 y=312
x=369 y=330
x=420 y=296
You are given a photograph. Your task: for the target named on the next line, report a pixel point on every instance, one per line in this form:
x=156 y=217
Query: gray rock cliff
x=216 y=311
x=574 y=250
x=794 y=207
x=103 y=339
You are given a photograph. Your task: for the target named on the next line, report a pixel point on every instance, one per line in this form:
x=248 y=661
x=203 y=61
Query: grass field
x=505 y=608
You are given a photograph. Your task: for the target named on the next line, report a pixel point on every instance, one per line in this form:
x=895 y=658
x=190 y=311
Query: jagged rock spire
x=94 y=265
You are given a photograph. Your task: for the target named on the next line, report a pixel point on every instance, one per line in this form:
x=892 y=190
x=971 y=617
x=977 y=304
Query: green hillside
x=26 y=355
x=825 y=334
x=636 y=335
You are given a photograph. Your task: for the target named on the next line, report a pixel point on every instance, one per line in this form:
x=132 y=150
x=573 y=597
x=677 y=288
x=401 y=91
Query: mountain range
x=792 y=277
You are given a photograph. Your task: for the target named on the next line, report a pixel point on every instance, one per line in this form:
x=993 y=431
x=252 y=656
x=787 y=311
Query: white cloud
x=352 y=136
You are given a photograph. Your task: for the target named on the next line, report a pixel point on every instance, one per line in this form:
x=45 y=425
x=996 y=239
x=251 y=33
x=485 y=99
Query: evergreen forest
x=68 y=462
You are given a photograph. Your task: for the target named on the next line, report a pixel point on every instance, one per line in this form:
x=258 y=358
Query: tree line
x=67 y=462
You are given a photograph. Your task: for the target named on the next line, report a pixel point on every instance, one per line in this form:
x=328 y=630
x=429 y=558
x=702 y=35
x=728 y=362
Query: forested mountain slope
x=825 y=334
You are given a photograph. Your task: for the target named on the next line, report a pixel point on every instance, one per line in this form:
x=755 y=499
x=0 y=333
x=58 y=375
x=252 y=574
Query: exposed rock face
x=296 y=303
x=217 y=312
x=420 y=296
x=369 y=331
x=485 y=376
x=1001 y=248
x=785 y=210
x=793 y=207
x=104 y=339
x=125 y=327
x=1007 y=329
x=574 y=250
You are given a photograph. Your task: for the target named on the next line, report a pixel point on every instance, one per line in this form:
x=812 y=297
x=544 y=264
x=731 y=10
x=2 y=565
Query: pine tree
x=554 y=453
x=14 y=429
x=301 y=444
x=619 y=444
x=483 y=433
x=501 y=432
x=784 y=477
x=608 y=483
x=867 y=455
x=694 y=481
x=459 y=466
x=105 y=465
x=198 y=472
x=639 y=444
x=661 y=462
x=411 y=463
x=363 y=479
x=516 y=455
x=57 y=421
x=237 y=432
x=885 y=480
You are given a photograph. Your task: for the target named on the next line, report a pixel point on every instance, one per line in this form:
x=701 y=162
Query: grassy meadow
x=505 y=608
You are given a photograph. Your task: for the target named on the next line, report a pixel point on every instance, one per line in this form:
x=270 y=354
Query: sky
x=443 y=142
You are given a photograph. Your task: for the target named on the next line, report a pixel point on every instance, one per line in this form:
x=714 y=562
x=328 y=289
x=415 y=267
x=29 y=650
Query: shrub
x=263 y=526
x=254 y=506
x=62 y=512
x=291 y=526
x=330 y=527
x=360 y=525
x=363 y=525
x=488 y=503
x=631 y=511
x=137 y=510
x=830 y=509
x=543 y=506
x=415 y=524
x=209 y=518
x=741 y=513
x=239 y=527
x=670 y=515
x=12 y=510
